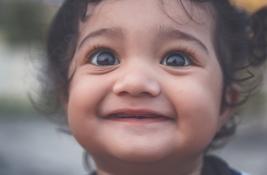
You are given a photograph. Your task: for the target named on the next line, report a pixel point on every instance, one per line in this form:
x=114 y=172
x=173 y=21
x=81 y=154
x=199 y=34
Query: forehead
x=146 y=15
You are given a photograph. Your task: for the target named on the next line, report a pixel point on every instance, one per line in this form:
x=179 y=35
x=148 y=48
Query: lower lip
x=139 y=121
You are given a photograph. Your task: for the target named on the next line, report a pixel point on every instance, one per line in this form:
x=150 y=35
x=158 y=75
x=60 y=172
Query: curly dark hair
x=240 y=41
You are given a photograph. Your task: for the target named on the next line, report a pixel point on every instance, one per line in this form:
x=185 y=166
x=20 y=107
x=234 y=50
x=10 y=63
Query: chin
x=141 y=154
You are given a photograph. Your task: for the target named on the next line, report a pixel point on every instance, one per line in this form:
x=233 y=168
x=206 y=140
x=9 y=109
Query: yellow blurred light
x=250 y=5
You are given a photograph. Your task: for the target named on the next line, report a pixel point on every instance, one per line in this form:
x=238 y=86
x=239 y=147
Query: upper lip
x=128 y=112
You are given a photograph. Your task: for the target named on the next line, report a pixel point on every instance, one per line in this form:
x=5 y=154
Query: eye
x=103 y=58
x=176 y=60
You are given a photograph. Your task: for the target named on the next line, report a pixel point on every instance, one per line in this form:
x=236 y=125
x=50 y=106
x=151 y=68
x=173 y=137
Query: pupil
x=105 y=59
x=176 y=60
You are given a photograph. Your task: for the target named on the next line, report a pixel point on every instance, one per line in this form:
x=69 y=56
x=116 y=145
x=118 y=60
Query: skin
x=141 y=33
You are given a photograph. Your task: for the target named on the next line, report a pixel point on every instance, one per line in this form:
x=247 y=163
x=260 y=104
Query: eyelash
x=96 y=48
x=185 y=50
x=190 y=52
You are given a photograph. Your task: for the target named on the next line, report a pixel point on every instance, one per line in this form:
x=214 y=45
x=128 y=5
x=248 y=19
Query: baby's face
x=147 y=85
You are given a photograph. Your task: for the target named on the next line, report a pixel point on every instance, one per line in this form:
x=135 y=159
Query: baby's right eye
x=103 y=58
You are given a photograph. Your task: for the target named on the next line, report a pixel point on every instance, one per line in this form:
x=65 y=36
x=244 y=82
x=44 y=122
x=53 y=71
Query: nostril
x=136 y=87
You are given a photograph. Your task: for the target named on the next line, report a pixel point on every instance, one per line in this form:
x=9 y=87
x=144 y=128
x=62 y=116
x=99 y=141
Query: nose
x=137 y=82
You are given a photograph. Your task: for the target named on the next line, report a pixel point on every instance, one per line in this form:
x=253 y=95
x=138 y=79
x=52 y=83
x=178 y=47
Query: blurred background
x=31 y=144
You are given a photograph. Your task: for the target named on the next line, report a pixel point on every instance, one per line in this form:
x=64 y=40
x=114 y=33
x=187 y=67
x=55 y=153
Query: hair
x=240 y=42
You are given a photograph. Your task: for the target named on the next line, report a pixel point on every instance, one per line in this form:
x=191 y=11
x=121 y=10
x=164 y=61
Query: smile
x=136 y=116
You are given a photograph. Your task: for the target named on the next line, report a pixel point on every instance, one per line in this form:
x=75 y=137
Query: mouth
x=137 y=116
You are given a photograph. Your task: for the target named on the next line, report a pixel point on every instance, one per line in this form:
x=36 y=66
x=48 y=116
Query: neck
x=117 y=167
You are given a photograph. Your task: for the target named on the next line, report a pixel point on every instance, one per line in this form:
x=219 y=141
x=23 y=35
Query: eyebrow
x=165 y=32
x=113 y=32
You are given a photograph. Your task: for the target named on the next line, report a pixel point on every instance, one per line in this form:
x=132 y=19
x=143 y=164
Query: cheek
x=197 y=104
x=83 y=96
x=86 y=93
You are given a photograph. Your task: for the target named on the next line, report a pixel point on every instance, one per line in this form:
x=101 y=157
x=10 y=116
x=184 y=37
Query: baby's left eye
x=176 y=60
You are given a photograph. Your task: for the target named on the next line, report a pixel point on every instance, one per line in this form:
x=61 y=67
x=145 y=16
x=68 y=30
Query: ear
x=230 y=98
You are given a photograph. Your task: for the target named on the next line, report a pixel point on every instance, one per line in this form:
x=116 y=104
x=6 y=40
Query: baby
x=149 y=86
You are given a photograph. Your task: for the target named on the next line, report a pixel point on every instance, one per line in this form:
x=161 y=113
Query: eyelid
x=97 y=48
x=187 y=58
x=188 y=52
x=185 y=55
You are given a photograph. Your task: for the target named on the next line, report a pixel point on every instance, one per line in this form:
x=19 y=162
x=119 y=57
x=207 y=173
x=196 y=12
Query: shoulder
x=241 y=173
x=235 y=172
x=216 y=166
